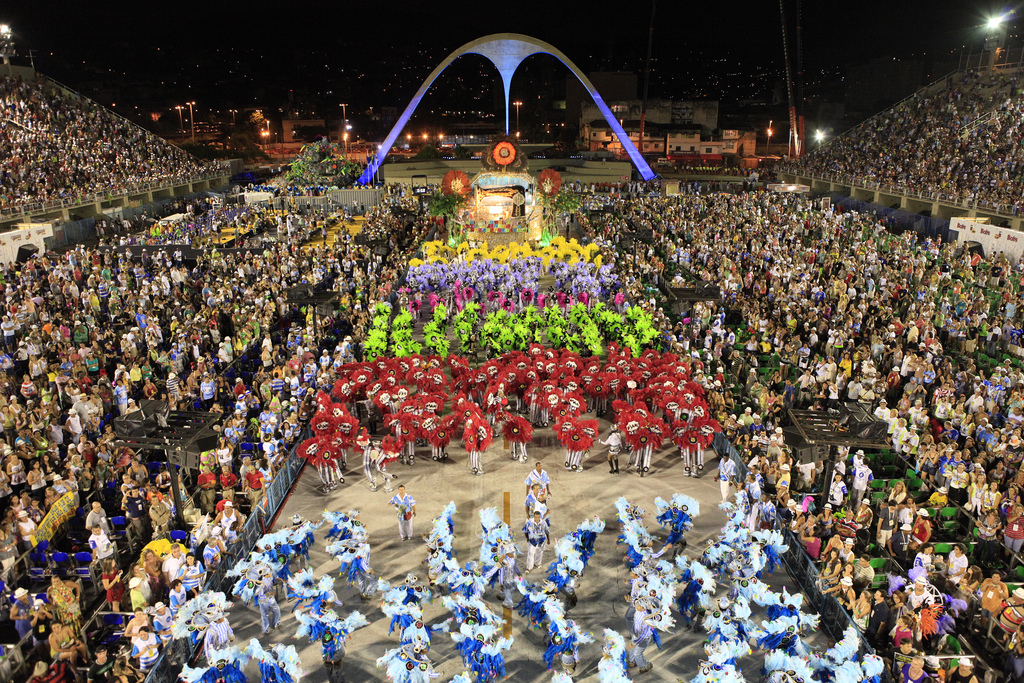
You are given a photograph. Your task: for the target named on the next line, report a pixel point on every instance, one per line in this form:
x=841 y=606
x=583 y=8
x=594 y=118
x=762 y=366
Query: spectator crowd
x=960 y=143
x=58 y=146
x=89 y=334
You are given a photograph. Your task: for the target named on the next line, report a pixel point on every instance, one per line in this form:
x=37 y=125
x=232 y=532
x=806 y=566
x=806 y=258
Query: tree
x=446 y=205
x=462 y=152
x=427 y=152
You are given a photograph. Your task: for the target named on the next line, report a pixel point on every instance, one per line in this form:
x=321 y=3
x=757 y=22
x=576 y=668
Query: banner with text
x=12 y=239
x=61 y=511
x=992 y=238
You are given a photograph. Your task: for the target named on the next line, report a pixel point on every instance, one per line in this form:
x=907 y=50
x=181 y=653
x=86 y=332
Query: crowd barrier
x=833 y=616
x=902 y=220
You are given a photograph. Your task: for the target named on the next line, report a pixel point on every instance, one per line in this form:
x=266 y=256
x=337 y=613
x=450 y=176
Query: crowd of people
x=90 y=333
x=835 y=311
x=959 y=143
x=58 y=147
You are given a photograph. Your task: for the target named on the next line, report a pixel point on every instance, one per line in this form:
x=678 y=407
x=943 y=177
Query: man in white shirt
x=172 y=563
x=100 y=545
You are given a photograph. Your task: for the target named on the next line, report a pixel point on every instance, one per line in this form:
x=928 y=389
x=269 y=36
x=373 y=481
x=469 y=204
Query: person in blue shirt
x=207 y=389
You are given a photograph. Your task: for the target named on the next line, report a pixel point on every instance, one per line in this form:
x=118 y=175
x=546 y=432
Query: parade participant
x=406 y=506
x=644 y=618
x=353 y=554
x=270 y=611
x=538 y=476
x=518 y=432
x=614 y=444
x=331 y=632
x=537 y=535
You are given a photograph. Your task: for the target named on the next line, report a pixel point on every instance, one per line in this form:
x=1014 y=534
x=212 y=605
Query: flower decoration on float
x=455 y=182
x=549 y=182
x=504 y=153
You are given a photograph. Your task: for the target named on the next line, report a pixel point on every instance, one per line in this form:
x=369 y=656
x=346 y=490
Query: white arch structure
x=506 y=51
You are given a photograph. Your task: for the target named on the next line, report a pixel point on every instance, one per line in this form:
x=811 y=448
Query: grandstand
x=950 y=149
x=67 y=153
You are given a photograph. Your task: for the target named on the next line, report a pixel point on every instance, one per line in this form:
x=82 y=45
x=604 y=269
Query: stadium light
x=6 y=44
x=819 y=136
x=994 y=23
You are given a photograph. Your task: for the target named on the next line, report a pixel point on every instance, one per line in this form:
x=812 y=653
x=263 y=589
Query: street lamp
x=181 y=121
x=233 y=112
x=344 y=125
x=266 y=141
x=770 y=131
x=192 y=120
x=517 y=104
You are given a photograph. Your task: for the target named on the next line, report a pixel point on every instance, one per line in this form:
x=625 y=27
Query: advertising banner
x=993 y=239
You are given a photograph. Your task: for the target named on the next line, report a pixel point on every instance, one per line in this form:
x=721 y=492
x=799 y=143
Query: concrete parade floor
x=574 y=497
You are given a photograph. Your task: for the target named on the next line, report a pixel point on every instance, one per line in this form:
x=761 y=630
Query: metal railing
x=177 y=653
x=863 y=183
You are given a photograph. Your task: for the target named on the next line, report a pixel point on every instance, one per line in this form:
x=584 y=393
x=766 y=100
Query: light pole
x=233 y=112
x=819 y=136
x=181 y=121
x=344 y=127
x=770 y=131
x=192 y=120
x=517 y=104
x=266 y=140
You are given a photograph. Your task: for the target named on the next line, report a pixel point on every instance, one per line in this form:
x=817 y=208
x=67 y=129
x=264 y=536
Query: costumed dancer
x=481 y=645
x=645 y=617
x=320 y=593
x=440 y=558
x=320 y=451
x=343 y=524
x=279 y=664
x=564 y=638
x=381 y=455
x=407 y=430
x=677 y=517
x=577 y=436
x=223 y=666
x=439 y=433
x=498 y=554
x=614 y=444
x=614 y=662
x=354 y=556
x=256 y=584
x=518 y=432
x=476 y=438
x=537 y=533
x=202 y=618
x=408 y=663
x=565 y=572
x=585 y=536
x=331 y=632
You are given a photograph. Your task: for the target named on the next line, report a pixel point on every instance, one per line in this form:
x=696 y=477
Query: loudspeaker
x=183 y=458
x=27 y=251
x=206 y=441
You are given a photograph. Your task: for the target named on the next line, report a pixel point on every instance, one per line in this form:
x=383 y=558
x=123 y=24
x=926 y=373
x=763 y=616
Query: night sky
x=246 y=53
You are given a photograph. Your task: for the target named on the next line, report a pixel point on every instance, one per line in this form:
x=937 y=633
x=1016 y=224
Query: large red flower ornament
x=549 y=182
x=504 y=153
x=455 y=182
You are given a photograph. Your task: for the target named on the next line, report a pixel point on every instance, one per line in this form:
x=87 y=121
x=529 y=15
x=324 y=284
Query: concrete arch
x=506 y=51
